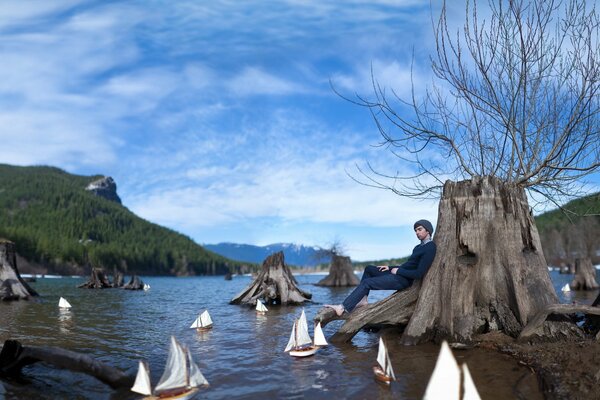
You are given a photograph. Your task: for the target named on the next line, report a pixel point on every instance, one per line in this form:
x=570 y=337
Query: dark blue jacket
x=419 y=261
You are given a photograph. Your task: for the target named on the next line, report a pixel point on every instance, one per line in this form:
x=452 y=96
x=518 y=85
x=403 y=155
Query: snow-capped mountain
x=295 y=254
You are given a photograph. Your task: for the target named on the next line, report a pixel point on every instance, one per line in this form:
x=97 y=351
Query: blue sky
x=216 y=118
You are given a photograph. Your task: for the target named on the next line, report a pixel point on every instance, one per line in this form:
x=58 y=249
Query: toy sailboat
x=181 y=379
x=445 y=381
x=64 y=304
x=383 y=369
x=146 y=286
x=203 y=322
x=300 y=343
x=260 y=307
x=566 y=288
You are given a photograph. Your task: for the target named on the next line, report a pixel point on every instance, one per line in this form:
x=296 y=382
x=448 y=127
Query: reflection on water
x=242 y=356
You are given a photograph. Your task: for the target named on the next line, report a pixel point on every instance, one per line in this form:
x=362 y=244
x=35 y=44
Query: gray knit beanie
x=425 y=224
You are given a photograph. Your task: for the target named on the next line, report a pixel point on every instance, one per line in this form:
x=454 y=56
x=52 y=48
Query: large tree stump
x=393 y=310
x=12 y=286
x=275 y=284
x=14 y=357
x=585 y=275
x=341 y=273
x=489 y=273
x=98 y=280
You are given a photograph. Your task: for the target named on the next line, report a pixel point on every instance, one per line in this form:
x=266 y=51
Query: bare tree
x=513 y=109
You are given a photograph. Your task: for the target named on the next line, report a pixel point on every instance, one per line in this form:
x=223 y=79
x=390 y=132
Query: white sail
x=566 y=288
x=302 y=335
x=292 y=342
x=319 y=336
x=63 y=303
x=205 y=319
x=175 y=374
x=260 y=306
x=445 y=379
x=469 y=389
x=383 y=359
x=196 y=378
x=142 y=381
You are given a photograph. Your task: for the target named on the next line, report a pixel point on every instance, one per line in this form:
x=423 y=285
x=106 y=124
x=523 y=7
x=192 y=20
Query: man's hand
x=383 y=267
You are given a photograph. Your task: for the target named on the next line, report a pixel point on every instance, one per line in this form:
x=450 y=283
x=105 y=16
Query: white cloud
x=254 y=81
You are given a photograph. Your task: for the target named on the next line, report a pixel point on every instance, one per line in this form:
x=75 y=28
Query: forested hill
x=63 y=228
x=572 y=233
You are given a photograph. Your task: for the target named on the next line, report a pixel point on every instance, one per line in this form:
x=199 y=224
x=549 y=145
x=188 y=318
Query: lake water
x=242 y=356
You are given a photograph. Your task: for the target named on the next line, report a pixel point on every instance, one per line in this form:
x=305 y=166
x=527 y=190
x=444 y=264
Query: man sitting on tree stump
x=387 y=277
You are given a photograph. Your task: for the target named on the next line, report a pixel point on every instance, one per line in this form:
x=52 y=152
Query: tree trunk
x=489 y=273
x=98 y=280
x=275 y=284
x=340 y=273
x=585 y=275
x=12 y=286
x=14 y=357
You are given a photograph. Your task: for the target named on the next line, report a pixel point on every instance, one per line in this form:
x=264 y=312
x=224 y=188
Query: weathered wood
x=535 y=324
x=489 y=273
x=393 y=310
x=275 y=284
x=340 y=274
x=118 y=279
x=12 y=286
x=14 y=357
x=585 y=275
x=98 y=280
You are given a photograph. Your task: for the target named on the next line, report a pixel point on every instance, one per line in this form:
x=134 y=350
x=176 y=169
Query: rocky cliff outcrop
x=106 y=188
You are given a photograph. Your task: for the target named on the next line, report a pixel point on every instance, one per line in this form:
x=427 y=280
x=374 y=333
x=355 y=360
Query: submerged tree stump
x=275 y=284
x=340 y=273
x=98 y=280
x=585 y=275
x=12 y=286
x=135 y=283
x=118 y=279
x=14 y=357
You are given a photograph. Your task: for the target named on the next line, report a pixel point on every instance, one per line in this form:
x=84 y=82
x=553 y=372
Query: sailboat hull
x=204 y=328
x=304 y=352
x=381 y=376
x=179 y=395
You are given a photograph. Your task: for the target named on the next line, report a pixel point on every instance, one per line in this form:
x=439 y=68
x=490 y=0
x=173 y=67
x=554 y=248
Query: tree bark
x=12 y=286
x=275 y=284
x=489 y=273
x=14 y=357
x=340 y=273
x=585 y=275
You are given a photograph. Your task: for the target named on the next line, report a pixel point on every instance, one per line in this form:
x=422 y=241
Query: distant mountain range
x=298 y=255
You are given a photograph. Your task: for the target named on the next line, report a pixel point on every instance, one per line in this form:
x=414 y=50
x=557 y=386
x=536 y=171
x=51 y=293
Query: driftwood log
x=12 y=286
x=393 y=310
x=275 y=284
x=98 y=280
x=15 y=356
x=341 y=273
x=585 y=275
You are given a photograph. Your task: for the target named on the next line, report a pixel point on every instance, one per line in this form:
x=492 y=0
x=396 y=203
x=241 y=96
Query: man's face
x=421 y=232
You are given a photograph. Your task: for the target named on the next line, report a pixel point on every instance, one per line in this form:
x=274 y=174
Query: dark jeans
x=374 y=279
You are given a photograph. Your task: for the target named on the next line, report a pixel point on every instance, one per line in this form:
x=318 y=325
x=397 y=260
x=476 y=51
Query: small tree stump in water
x=98 y=280
x=585 y=275
x=14 y=357
x=340 y=273
x=118 y=280
x=275 y=284
x=135 y=283
x=12 y=286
